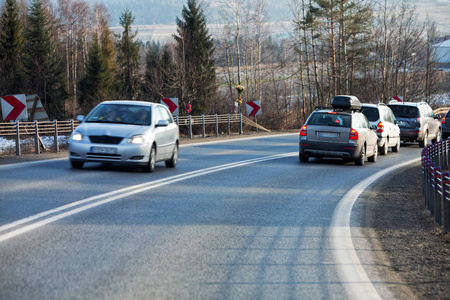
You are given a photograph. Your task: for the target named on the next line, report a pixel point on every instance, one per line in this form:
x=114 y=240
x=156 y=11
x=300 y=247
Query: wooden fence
x=36 y=129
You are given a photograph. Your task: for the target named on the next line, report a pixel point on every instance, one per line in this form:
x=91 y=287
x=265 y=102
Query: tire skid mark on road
x=50 y=216
x=350 y=270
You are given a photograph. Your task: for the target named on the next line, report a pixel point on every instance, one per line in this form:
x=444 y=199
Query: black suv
x=418 y=123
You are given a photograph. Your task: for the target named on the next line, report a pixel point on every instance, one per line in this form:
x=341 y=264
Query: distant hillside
x=165 y=12
x=151 y=12
x=146 y=12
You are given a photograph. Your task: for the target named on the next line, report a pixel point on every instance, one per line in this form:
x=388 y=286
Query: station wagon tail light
x=303 y=131
x=380 y=127
x=443 y=120
x=353 y=134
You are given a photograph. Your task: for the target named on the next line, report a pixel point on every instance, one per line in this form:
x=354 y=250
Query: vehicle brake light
x=332 y=113
x=380 y=127
x=303 y=131
x=353 y=134
x=443 y=120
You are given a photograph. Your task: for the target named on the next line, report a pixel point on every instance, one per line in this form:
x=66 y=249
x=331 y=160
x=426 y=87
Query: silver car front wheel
x=150 y=166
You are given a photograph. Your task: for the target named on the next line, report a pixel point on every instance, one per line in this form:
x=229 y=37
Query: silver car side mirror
x=162 y=123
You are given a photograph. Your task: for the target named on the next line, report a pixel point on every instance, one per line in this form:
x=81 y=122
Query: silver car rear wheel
x=172 y=163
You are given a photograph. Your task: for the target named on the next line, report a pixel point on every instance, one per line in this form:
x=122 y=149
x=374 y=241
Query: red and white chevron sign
x=14 y=107
x=172 y=104
x=398 y=98
x=253 y=108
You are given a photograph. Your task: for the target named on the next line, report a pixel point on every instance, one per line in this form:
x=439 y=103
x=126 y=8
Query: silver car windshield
x=121 y=114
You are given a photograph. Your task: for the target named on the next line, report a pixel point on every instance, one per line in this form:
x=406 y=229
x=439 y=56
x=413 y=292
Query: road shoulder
x=409 y=253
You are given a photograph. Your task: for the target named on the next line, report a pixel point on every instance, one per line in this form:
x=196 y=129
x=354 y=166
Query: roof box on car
x=345 y=102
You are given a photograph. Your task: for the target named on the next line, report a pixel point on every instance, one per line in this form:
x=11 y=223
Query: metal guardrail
x=204 y=120
x=436 y=181
x=35 y=129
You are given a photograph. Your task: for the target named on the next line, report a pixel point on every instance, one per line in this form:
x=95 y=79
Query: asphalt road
x=239 y=219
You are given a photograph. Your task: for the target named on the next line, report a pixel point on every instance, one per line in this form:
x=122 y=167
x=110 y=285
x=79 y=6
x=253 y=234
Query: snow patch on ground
x=8 y=146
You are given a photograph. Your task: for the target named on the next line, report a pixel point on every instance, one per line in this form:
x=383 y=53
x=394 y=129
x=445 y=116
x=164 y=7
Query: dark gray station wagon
x=341 y=131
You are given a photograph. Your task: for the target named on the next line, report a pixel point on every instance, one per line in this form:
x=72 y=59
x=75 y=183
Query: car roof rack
x=323 y=107
x=346 y=102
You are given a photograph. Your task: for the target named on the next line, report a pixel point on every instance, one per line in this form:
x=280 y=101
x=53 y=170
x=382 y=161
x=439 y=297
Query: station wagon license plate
x=328 y=134
x=104 y=150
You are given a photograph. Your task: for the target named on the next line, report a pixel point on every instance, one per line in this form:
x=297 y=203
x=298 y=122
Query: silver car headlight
x=77 y=136
x=136 y=139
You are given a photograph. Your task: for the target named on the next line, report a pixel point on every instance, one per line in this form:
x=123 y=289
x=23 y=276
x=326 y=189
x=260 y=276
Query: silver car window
x=165 y=114
x=158 y=117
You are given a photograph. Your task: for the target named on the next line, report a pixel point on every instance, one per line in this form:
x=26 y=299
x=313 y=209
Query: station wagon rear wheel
x=303 y=157
x=362 y=157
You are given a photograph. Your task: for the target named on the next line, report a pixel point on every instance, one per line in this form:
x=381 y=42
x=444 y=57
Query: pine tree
x=108 y=50
x=195 y=48
x=43 y=64
x=11 y=50
x=96 y=83
x=159 y=74
x=127 y=59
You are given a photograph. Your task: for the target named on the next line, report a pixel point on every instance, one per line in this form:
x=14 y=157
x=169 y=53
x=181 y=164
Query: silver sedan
x=126 y=133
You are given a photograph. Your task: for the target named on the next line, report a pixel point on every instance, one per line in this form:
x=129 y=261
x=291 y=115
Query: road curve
x=237 y=219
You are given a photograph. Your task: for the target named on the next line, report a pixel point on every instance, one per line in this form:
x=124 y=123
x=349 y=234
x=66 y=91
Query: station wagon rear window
x=330 y=119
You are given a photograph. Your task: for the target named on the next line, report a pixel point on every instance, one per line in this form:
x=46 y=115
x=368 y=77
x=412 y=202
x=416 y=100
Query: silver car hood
x=119 y=130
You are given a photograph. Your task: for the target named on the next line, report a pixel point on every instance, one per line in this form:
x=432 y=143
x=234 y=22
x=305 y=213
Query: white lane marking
x=35 y=162
x=351 y=272
x=29 y=163
x=85 y=204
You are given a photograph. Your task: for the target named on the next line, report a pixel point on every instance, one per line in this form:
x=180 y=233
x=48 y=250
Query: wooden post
x=203 y=126
x=190 y=126
x=55 y=136
x=217 y=125
x=18 y=150
x=240 y=123
x=36 y=137
x=228 y=124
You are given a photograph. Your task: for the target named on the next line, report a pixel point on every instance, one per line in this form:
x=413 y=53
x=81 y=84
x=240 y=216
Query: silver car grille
x=105 y=139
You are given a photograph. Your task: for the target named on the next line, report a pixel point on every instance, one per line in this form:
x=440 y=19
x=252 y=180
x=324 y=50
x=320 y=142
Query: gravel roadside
x=413 y=252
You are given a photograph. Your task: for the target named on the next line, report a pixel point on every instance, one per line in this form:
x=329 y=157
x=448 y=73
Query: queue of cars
x=354 y=131
x=143 y=133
